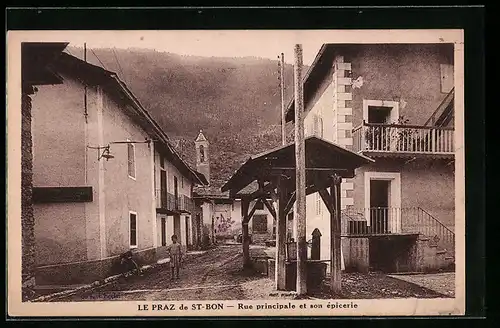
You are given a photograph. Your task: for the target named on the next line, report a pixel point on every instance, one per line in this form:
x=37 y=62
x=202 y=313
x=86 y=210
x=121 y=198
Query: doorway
x=188 y=241
x=383 y=202
x=176 y=193
x=379 y=205
x=177 y=226
x=163 y=221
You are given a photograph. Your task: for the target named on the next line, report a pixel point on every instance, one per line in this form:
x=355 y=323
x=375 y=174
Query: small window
x=131 y=160
x=318 y=125
x=232 y=206
x=202 y=154
x=182 y=182
x=133 y=229
x=162 y=161
x=259 y=205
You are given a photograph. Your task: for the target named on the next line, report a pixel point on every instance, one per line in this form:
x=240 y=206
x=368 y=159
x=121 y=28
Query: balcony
x=403 y=139
x=170 y=204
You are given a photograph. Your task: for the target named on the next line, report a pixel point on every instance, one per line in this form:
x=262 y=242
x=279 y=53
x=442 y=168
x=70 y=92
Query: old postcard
x=242 y=173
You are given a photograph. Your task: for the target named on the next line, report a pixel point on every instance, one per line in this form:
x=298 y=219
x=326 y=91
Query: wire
x=98 y=59
x=118 y=62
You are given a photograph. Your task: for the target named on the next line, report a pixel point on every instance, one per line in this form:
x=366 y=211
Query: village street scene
x=290 y=170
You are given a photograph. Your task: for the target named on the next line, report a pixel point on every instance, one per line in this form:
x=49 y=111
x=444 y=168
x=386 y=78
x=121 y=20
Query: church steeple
x=202 y=155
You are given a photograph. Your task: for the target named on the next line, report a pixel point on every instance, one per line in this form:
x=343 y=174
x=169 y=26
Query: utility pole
x=300 y=175
x=282 y=89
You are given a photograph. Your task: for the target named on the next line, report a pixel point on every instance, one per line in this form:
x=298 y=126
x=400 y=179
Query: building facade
x=220 y=215
x=96 y=167
x=394 y=104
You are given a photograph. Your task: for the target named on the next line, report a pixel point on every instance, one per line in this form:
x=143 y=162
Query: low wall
x=356 y=254
x=77 y=273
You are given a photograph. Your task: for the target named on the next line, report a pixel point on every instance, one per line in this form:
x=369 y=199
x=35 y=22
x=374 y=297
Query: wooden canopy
x=274 y=171
x=323 y=159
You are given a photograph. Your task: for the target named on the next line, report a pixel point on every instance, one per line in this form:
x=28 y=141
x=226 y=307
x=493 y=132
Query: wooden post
x=245 y=240
x=282 y=89
x=316 y=245
x=300 y=175
x=280 y=267
x=335 y=244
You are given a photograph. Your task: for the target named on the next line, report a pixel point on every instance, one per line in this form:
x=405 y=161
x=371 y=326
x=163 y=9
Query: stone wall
x=27 y=220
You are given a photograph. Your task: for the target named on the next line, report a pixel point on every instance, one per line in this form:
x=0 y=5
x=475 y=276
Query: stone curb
x=95 y=285
x=101 y=283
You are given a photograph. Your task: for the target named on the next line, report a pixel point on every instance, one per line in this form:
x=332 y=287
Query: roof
x=111 y=83
x=321 y=156
x=313 y=77
x=200 y=137
x=320 y=68
x=35 y=59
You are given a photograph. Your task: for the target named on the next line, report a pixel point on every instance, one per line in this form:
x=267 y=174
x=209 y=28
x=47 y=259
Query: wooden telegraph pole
x=300 y=175
x=282 y=89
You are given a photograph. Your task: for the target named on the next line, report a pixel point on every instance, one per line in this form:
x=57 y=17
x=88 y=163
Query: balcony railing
x=387 y=220
x=168 y=201
x=403 y=138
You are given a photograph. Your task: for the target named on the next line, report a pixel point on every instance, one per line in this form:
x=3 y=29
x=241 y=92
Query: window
x=317 y=126
x=131 y=159
x=182 y=182
x=259 y=224
x=162 y=161
x=202 y=154
x=133 y=229
x=232 y=206
x=318 y=204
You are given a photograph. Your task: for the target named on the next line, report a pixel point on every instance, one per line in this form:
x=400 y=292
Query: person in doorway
x=175 y=255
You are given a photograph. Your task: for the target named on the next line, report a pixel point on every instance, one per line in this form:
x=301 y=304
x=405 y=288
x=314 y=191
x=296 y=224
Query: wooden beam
x=293 y=195
x=327 y=199
x=252 y=211
x=289 y=202
x=335 y=244
x=245 y=240
x=300 y=180
x=280 y=278
x=263 y=191
x=270 y=207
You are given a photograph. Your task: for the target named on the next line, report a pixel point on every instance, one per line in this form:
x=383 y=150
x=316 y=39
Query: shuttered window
x=131 y=160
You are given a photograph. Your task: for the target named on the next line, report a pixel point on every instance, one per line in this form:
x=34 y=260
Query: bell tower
x=202 y=157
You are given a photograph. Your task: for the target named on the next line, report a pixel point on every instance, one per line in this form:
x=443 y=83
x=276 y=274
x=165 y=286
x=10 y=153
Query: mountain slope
x=236 y=101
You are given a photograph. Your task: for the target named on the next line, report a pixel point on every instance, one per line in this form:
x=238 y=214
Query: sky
x=263 y=44
x=236 y=43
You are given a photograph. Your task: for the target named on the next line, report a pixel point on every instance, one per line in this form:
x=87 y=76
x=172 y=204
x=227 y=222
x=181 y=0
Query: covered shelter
x=274 y=171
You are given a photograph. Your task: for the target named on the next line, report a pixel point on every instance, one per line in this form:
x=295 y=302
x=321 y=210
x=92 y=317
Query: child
x=175 y=254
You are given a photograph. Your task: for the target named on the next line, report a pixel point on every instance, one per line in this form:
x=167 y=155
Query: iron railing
x=386 y=220
x=403 y=138
x=169 y=202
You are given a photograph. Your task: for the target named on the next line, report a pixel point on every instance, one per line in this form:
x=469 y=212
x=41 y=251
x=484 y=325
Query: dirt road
x=217 y=275
x=214 y=275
